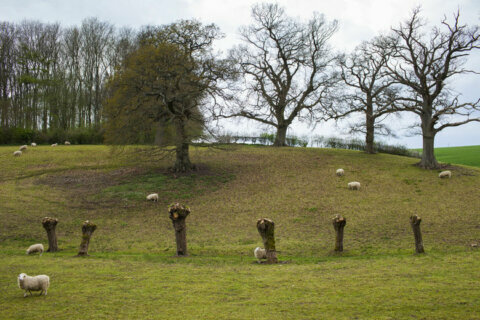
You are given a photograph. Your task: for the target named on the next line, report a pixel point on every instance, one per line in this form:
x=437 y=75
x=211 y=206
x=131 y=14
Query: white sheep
x=445 y=174
x=354 y=185
x=340 y=172
x=36 y=283
x=67 y=143
x=35 y=248
x=33 y=144
x=260 y=253
x=55 y=144
x=17 y=153
x=153 y=197
x=23 y=148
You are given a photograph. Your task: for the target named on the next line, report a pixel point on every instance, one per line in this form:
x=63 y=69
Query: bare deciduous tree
x=425 y=64
x=286 y=67
x=370 y=91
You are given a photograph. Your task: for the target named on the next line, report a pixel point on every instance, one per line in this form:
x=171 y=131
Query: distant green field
x=469 y=155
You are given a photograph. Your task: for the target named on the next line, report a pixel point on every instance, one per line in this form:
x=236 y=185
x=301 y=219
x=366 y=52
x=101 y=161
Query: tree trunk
x=266 y=228
x=281 y=136
x=50 y=225
x=87 y=230
x=339 y=223
x=428 y=154
x=415 y=223
x=182 y=163
x=178 y=213
x=370 y=126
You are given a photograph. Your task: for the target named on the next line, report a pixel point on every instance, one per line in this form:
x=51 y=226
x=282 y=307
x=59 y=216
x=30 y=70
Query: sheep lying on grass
x=260 y=253
x=17 y=153
x=55 y=144
x=33 y=144
x=23 y=148
x=153 y=197
x=36 y=283
x=354 y=185
x=445 y=174
x=340 y=172
x=35 y=248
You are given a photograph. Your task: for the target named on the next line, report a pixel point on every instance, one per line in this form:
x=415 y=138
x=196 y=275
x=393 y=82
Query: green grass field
x=468 y=155
x=132 y=273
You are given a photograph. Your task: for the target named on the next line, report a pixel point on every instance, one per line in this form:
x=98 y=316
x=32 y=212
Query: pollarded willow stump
x=266 y=228
x=339 y=223
x=87 y=230
x=50 y=224
x=178 y=213
x=415 y=223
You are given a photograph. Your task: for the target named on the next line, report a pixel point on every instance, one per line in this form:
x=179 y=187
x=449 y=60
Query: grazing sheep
x=55 y=144
x=36 y=283
x=445 y=174
x=260 y=253
x=67 y=143
x=153 y=197
x=35 y=248
x=23 y=148
x=33 y=144
x=340 y=172
x=354 y=185
x=17 y=153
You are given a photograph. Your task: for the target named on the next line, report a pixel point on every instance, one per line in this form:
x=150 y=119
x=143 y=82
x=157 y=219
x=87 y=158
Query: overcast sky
x=358 y=20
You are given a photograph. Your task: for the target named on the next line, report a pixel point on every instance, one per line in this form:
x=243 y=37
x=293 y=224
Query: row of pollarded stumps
x=266 y=228
x=178 y=213
x=50 y=225
x=339 y=223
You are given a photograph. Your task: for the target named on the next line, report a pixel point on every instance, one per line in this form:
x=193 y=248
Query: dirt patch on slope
x=88 y=181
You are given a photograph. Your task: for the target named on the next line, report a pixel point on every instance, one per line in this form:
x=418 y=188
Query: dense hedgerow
x=75 y=136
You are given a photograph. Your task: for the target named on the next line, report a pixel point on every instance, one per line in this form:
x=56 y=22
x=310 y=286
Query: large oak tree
x=286 y=67
x=370 y=90
x=426 y=63
x=165 y=84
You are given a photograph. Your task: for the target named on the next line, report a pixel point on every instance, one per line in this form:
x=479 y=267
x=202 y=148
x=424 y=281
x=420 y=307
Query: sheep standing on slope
x=55 y=144
x=17 y=153
x=67 y=143
x=354 y=185
x=23 y=148
x=340 y=172
x=153 y=197
x=445 y=174
x=35 y=248
x=36 y=283
x=260 y=253
x=33 y=144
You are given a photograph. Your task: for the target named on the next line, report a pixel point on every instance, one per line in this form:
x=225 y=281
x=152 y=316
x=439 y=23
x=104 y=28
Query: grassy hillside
x=468 y=155
x=131 y=271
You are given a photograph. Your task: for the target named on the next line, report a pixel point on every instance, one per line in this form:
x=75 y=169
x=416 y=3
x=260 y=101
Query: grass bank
x=131 y=271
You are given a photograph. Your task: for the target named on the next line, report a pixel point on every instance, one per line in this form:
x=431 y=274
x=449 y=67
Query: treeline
x=165 y=84
x=52 y=79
